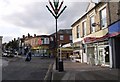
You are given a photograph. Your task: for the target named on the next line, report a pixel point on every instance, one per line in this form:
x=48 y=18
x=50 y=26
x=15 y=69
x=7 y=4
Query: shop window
x=106 y=54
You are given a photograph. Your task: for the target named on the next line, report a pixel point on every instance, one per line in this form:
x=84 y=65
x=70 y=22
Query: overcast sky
x=20 y=17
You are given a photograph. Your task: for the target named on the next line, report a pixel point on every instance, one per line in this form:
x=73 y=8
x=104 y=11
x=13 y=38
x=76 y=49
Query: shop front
x=114 y=41
x=42 y=51
x=79 y=51
x=97 y=50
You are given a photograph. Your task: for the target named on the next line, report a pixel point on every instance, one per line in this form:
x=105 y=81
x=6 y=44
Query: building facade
x=114 y=33
x=90 y=35
x=39 y=45
x=66 y=50
x=45 y=45
x=64 y=37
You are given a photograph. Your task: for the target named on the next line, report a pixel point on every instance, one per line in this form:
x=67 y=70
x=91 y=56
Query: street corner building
x=39 y=45
x=96 y=35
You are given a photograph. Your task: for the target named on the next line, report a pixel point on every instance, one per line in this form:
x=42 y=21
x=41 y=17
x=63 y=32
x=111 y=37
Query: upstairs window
x=61 y=37
x=103 y=18
x=78 y=31
x=92 y=20
x=84 y=28
x=46 y=40
x=42 y=41
x=51 y=38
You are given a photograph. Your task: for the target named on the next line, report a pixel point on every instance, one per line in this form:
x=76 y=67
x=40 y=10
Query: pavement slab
x=81 y=71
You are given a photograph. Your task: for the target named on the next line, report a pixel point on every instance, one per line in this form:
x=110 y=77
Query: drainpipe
x=110 y=39
x=119 y=10
x=109 y=12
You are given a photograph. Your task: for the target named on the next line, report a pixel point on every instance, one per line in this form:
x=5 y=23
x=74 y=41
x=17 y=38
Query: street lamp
x=55 y=12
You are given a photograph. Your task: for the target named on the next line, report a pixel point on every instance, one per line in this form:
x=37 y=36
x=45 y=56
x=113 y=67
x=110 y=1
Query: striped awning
x=96 y=39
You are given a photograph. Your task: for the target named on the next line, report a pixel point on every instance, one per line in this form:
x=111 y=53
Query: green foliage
x=13 y=45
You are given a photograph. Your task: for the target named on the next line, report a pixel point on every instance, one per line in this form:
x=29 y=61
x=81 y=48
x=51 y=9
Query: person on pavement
x=28 y=56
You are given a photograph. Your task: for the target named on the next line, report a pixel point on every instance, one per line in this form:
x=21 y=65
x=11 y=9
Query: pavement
x=81 y=71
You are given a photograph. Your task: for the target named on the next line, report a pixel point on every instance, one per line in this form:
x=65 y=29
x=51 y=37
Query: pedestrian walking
x=28 y=56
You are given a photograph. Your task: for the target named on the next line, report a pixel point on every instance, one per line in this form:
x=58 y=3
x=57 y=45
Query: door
x=101 y=56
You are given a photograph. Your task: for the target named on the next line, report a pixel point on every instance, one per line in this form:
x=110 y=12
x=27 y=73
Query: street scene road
x=81 y=40
x=18 y=69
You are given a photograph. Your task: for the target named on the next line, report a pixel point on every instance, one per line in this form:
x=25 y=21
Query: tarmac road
x=20 y=70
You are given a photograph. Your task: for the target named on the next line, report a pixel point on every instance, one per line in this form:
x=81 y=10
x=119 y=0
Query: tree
x=14 y=45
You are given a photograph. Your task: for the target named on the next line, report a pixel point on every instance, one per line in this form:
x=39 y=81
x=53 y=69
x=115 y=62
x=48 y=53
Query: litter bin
x=61 y=67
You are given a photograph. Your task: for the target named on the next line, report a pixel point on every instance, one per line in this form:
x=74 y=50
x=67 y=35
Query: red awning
x=95 y=39
x=114 y=34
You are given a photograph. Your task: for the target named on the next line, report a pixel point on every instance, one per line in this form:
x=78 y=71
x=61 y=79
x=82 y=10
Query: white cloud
x=20 y=17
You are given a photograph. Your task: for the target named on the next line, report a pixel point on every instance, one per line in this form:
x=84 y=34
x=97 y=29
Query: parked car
x=8 y=54
x=4 y=54
x=75 y=58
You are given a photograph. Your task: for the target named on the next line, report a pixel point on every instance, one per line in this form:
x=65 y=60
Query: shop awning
x=95 y=39
x=66 y=49
x=76 y=51
x=114 y=29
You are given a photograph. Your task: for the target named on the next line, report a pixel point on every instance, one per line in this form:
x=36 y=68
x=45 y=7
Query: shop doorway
x=103 y=57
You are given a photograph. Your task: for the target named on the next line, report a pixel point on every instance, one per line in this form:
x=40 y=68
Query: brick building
x=91 y=33
x=114 y=33
x=64 y=37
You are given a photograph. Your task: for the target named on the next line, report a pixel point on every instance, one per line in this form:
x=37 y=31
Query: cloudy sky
x=20 y=17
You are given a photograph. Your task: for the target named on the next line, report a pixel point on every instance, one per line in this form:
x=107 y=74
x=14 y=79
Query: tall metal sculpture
x=56 y=13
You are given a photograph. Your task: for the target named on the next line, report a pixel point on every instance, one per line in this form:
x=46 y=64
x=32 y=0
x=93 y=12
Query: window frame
x=62 y=37
x=84 y=29
x=78 y=31
x=102 y=8
x=92 y=27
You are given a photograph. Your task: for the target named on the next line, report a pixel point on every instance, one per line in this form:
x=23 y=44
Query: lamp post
x=61 y=68
x=55 y=12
